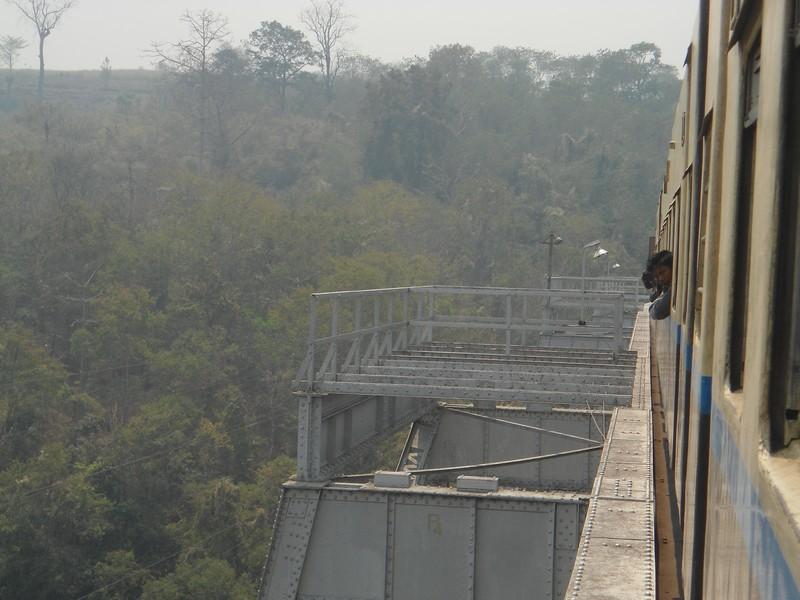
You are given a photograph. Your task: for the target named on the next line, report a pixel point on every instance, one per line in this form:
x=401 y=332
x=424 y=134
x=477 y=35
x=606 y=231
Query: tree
x=45 y=16
x=10 y=47
x=105 y=72
x=329 y=24
x=279 y=54
x=193 y=57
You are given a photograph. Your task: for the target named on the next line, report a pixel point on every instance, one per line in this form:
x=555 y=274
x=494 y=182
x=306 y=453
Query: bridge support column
x=309 y=434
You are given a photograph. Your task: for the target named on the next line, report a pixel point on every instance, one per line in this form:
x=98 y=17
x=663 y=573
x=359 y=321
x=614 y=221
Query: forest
x=162 y=230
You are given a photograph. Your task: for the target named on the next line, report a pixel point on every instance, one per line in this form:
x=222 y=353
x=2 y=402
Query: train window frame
x=690 y=200
x=675 y=245
x=745 y=199
x=784 y=398
x=705 y=185
x=795 y=31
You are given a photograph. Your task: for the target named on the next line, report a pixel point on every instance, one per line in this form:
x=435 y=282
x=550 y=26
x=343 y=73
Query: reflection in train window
x=744 y=215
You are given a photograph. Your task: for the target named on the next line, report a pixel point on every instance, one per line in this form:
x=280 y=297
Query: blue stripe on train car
x=688 y=357
x=772 y=573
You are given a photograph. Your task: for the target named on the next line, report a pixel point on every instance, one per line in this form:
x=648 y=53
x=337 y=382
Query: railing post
x=420 y=315
x=376 y=321
x=619 y=323
x=390 y=323
x=334 y=333
x=312 y=337
x=431 y=316
x=358 y=326
x=524 y=321
x=406 y=329
x=508 y=324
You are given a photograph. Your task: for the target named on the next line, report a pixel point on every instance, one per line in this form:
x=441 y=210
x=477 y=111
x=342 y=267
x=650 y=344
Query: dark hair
x=660 y=259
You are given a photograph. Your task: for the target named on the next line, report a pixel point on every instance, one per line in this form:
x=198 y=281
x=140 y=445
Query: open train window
x=744 y=217
x=785 y=393
x=702 y=229
x=675 y=245
x=684 y=243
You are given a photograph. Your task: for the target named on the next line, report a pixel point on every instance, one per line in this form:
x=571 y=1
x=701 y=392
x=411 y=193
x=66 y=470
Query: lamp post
x=552 y=240
x=586 y=247
x=613 y=267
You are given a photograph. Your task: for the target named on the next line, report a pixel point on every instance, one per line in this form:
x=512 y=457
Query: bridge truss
x=526 y=458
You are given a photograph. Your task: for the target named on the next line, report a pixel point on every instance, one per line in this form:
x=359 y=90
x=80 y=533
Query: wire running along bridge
x=527 y=450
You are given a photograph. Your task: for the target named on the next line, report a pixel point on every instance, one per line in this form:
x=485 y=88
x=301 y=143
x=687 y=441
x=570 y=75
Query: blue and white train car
x=728 y=358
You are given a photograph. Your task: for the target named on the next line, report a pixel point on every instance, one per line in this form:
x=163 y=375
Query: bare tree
x=329 y=24
x=105 y=72
x=45 y=16
x=10 y=47
x=193 y=57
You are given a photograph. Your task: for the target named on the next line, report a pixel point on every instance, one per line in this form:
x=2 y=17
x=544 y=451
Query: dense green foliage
x=153 y=286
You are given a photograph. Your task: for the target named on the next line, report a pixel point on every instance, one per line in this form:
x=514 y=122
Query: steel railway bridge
x=526 y=470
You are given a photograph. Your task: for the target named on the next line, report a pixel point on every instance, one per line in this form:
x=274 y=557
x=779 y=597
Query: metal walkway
x=511 y=443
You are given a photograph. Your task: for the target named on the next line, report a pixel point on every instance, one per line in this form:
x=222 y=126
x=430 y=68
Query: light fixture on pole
x=586 y=247
x=552 y=240
x=600 y=253
x=613 y=267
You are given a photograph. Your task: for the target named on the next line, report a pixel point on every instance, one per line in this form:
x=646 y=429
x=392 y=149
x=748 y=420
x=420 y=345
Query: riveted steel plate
x=511 y=565
x=431 y=555
x=614 y=570
x=621 y=519
x=348 y=537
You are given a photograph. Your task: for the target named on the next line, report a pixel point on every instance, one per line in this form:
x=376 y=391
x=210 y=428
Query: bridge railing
x=631 y=287
x=353 y=328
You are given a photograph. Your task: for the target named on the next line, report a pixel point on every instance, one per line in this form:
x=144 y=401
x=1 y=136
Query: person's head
x=660 y=265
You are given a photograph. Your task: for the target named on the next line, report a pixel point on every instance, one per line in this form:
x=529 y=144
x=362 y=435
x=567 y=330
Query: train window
x=703 y=226
x=744 y=214
x=683 y=129
x=785 y=396
x=684 y=243
x=675 y=246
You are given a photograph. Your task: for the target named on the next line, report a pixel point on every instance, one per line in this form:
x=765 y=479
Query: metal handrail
x=363 y=343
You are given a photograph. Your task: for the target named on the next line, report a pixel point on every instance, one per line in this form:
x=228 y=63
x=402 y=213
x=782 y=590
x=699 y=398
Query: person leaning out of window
x=658 y=278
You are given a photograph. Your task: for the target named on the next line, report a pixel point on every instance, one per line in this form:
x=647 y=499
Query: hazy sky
x=388 y=29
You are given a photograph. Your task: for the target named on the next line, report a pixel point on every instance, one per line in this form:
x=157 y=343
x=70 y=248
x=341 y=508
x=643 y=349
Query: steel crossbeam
x=492 y=363
x=558 y=379
x=479 y=381
x=457 y=392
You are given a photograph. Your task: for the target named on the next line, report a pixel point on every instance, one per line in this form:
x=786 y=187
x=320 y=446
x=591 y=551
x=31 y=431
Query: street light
x=552 y=240
x=586 y=247
x=613 y=267
x=600 y=253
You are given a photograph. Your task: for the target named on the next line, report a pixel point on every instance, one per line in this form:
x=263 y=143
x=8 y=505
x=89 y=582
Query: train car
x=728 y=357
